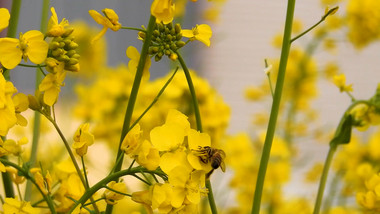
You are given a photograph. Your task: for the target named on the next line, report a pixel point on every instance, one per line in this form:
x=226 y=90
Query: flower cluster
x=178 y=151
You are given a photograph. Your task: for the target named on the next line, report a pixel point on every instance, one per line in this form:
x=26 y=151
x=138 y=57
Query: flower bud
x=71 y=53
x=73 y=61
x=57 y=52
x=53 y=45
x=141 y=34
x=73 y=45
x=177 y=28
x=76 y=56
x=33 y=103
x=180 y=44
x=68 y=32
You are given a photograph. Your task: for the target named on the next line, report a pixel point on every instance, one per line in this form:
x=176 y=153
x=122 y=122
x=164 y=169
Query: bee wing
x=223 y=166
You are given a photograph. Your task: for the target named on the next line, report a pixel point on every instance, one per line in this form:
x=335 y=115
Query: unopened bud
x=68 y=31
x=180 y=44
x=73 y=61
x=53 y=45
x=173 y=56
x=141 y=34
x=33 y=103
x=73 y=45
x=177 y=28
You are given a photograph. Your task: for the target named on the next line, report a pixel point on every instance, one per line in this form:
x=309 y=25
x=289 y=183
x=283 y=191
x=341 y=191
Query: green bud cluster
x=63 y=48
x=166 y=40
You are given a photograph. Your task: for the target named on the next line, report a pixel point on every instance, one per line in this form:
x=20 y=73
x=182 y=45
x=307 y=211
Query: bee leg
x=209 y=174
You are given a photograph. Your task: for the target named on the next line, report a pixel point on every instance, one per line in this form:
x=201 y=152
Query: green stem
x=32 y=66
x=118 y=161
x=13 y=21
x=275 y=108
x=332 y=10
x=133 y=28
x=84 y=172
x=322 y=183
x=112 y=177
x=133 y=96
x=192 y=92
x=7 y=182
x=199 y=125
x=37 y=116
x=118 y=192
x=27 y=175
x=72 y=157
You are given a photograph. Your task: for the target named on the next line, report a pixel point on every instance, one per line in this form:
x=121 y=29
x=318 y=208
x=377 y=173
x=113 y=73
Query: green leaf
x=343 y=132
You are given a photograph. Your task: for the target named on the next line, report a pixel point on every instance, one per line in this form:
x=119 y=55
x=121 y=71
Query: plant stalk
x=37 y=116
x=275 y=108
x=133 y=96
x=199 y=125
x=322 y=183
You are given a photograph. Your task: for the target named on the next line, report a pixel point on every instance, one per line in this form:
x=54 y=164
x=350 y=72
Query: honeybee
x=214 y=156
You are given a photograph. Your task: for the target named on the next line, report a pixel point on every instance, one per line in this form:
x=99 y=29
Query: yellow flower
x=21 y=103
x=340 y=81
x=15 y=177
x=15 y=148
x=162 y=196
x=14 y=206
x=363 y=20
x=201 y=33
x=55 y=29
x=131 y=141
x=134 y=55
x=30 y=45
x=112 y=197
x=163 y=10
x=51 y=85
x=7 y=108
x=148 y=156
x=109 y=20
x=4 y=18
x=44 y=182
x=82 y=139
x=170 y=135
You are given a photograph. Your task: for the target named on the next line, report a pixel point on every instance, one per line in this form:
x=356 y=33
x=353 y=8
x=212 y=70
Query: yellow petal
x=187 y=33
x=37 y=51
x=51 y=96
x=10 y=55
x=97 y=17
x=33 y=35
x=4 y=18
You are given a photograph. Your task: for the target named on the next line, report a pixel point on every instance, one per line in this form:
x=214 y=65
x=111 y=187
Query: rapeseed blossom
x=30 y=45
x=83 y=139
x=7 y=107
x=340 y=82
x=4 y=18
x=54 y=28
x=109 y=20
x=51 y=86
x=13 y=205
x=201 y=33
x=111 y=196
x=163 y=10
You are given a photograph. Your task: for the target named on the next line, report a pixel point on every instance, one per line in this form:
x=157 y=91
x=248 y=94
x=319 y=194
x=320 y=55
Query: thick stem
x=199 y=124
x=322 y=183
x=133 y=96
x=37 y=116
x=275 y=108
